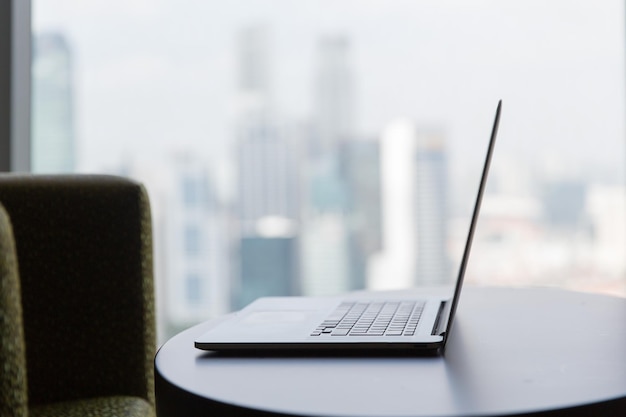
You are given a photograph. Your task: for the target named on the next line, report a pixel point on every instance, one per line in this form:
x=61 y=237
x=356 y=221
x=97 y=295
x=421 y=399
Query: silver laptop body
x=352 y=322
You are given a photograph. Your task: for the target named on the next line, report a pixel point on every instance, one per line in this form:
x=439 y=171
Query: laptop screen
x=472 y=227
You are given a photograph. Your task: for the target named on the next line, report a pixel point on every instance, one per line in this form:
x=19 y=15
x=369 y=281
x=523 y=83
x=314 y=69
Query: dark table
x=512 y=352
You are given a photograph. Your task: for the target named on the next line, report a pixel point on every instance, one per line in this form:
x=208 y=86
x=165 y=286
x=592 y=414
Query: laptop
x=376 y=322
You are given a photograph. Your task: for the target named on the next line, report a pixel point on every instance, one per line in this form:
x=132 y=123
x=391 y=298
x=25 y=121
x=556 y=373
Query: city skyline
x=310 y=185
x=540 y=58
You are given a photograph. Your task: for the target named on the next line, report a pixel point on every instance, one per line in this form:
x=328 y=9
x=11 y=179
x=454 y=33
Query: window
x=337 y=145
x=15 y=52
x=193 y=241
x=193 y=289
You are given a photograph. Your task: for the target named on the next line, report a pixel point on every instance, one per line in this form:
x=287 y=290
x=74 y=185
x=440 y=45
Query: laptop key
x=372 y=319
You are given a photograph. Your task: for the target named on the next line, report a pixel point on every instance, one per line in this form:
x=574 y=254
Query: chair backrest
x=13 y=388
x=85 y=249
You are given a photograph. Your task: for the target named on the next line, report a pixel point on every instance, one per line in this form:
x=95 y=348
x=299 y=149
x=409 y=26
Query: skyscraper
x=267 y=173
x=432 y=267
x=333 y=95
x=267 y=167
x=195 y=237
x=53 y=135
x=267 y=156
x=330 y=262
x=254 y=70
x=192 y=241
x=395 y=266
x=414 y=190
x=360 y=161
x=326 y=251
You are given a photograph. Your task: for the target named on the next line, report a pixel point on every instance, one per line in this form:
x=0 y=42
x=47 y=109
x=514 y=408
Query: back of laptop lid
x=470 y=235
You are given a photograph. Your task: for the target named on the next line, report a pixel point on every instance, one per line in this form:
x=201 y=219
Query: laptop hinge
x=441 y=323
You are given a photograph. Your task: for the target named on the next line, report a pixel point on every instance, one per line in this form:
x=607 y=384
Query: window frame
x=15 y=85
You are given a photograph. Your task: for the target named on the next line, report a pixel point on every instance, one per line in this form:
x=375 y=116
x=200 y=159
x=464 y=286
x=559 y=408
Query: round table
x=512 y=352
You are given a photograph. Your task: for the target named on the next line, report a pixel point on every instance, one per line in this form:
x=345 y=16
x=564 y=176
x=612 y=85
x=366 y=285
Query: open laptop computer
x=375 y=322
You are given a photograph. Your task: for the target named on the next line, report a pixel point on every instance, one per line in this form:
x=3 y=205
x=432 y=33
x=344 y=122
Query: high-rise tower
x=329 y=262
x=414 y=195
x=53 y=137
x=266 y=154
x=432 y=266
x=333 y=95
x=267 y=167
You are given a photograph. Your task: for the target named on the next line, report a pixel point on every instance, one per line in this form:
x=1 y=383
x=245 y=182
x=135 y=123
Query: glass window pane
x=318 y=147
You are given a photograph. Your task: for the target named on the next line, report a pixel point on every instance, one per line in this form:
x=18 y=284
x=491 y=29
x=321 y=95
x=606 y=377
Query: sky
x=154 y=76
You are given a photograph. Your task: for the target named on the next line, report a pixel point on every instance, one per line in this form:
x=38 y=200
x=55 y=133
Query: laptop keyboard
x=373 y=318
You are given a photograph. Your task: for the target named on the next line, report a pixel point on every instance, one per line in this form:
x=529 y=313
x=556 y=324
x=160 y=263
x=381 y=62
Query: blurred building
x=431 y=208
x=268 y=267
x=268 y=179
x=326 y=255
x=564 y=204
x=202 y=239
x=333 y=95
x=361 y=169
x=414 y=189
x=394 y=266
x=333 y=250
x=325 y=235
x=192 y=239
x=195 y=236
x=53 y=131
x=267 y=166
x=606 y=205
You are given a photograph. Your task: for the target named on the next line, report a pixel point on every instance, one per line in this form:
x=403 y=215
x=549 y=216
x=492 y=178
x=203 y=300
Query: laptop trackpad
x=276 y=317
x=271 y=323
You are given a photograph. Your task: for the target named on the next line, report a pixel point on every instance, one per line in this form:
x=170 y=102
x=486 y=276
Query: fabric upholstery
x=95 y=407
x=13 y=397
x=84 y=245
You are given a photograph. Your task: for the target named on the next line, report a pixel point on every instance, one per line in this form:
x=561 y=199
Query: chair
x=13 y=401
x=84 y=249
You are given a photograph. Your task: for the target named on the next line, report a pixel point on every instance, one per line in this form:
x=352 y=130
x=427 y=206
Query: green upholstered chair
x=84 y=250
x=13 y=397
